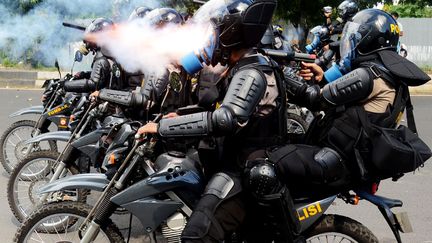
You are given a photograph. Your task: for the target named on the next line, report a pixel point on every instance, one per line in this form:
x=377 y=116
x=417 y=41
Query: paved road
x=415 y=190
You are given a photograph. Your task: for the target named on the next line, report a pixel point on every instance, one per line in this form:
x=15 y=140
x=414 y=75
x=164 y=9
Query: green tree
x=26 y=5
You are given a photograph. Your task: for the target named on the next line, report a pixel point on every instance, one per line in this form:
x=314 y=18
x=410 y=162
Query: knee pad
x=332 y=164
x=261 y=178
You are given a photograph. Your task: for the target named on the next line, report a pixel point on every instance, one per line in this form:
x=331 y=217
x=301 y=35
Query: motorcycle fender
x=92 y=181
x=61 y=121
x=159 y=183
x=63 y=136
x=309 y=213
x=29 y=110
x=152 y=212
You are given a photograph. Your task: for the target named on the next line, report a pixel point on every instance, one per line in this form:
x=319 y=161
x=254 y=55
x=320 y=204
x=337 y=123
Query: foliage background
x=302 y=14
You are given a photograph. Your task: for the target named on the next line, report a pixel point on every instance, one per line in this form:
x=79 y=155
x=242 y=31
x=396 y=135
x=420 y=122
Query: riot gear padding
x=80 y=86
x=332 y=163
x=192 y=125
x=262 y=180
x=273 y=199
x=352 y=87
x=125 y=98
x=218 y=213
x=246 y=89
x=163 y=16
x=300 y=92
x=409 y=73
x=139 y=13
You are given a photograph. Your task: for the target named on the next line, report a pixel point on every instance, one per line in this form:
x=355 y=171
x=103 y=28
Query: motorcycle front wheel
x=13 y=147
x=337 y=228
x=60 y=222
x=29 y=175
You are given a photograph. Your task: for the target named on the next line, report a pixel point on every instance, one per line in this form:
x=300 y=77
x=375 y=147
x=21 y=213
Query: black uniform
x=244 y=129
x=100 y=76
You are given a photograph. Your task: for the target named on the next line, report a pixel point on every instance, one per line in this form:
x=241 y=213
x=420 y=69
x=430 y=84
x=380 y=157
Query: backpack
x=392 y=149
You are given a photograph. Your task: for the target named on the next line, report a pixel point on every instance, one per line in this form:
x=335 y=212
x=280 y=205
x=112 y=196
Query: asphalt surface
x=415 y=190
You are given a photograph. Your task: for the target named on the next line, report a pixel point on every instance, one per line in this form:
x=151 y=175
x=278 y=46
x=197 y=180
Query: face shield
x=195 y=60
x=348 y=44
x=314 y=39
x=209 y=14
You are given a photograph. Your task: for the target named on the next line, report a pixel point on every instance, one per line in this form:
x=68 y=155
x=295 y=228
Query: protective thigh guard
x=303 y=167
x=219 y=212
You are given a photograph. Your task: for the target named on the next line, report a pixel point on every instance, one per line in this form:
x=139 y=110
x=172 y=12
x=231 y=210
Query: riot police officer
x=250 y=115
x=104 y=71
x=375 y=88
x=155 y=85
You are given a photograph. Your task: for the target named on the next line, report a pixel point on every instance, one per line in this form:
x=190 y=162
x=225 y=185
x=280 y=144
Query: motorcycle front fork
x=91 y=233
x=59 y=172
x=31 y=146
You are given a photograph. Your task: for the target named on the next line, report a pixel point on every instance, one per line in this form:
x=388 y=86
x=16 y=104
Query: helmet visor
x=350 y=39
x=212 y=9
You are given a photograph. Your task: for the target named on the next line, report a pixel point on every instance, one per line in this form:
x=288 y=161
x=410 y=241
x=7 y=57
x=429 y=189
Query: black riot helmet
x=374 y=30
x=244 y=23
x=347 y=9
x=370 y=31
x=163 y=16
x=96 y=25
x=236 y=24
x=139 y=13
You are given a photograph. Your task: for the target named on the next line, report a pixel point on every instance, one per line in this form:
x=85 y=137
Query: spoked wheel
x=336 y=228
x=296 y=124
x=60 y=222
x=29 y=176
x=13 y=147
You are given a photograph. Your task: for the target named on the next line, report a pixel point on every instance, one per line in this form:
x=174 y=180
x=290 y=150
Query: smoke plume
x=39 y=34
x=140 y=46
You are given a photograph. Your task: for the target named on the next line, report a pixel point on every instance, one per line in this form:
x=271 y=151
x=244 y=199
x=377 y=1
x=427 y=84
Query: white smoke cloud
x=40 y=34
x=138 y=46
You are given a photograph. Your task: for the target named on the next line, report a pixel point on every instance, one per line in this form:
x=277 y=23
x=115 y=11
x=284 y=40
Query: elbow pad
x=80 y=86
x=193 y=125
x=223 y=121
x=355 y=86
x=300 y=92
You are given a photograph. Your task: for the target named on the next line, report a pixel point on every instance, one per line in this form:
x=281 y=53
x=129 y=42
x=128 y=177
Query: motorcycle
x=164 y=199
x=55 y=109
x=42 y=167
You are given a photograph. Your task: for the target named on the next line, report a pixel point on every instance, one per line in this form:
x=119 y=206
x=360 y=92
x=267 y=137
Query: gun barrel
x=289 y=56
x=74 y=26
x=303 y=57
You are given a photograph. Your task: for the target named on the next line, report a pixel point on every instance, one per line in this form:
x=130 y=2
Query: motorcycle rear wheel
x=38 y=227
x=337 y=228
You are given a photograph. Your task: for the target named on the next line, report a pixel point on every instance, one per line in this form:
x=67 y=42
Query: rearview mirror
x=175 y=81
x=78 y=56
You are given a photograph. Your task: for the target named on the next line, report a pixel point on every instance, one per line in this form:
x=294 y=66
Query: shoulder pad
x=245 y=91
x=405 y=70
